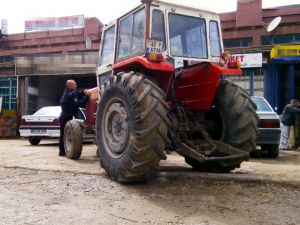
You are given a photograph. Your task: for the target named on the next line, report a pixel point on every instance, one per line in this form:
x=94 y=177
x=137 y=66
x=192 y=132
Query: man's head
x=295 y=102
x=71 y=85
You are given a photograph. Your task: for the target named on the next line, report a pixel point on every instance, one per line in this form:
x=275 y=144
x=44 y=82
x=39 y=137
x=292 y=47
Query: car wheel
x=34 y=140
x=272 y=149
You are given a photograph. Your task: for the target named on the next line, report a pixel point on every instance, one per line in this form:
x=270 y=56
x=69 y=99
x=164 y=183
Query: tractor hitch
x=222 y=156
x=212 y=154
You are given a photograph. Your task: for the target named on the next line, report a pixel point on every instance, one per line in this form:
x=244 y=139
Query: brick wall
x=8 y=126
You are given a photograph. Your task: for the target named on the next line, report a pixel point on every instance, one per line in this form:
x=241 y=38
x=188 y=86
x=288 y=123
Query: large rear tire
x=131 y=128
x=73 y=139
x=233 y=120
x=239 y=118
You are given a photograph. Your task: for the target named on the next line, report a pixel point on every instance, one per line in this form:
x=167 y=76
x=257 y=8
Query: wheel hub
x=116 y=129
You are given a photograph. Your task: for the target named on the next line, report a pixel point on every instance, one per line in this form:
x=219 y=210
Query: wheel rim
x=68 y=141
x=115 y=128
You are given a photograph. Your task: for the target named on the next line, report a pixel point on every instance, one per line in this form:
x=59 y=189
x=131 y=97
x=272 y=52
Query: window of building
x=297 y=38
x=214 y=39
x=132 y=34
x=280 y=39
x=32 y=103
x=237 y=42
x=158 y=27
x=5 y=59
x=8 y=93
x=107 y=54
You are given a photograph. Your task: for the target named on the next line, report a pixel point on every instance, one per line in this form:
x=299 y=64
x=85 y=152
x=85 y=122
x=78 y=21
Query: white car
x=269 y=127
x=44 y=124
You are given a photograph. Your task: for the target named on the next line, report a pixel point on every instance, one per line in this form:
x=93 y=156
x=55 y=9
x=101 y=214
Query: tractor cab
x=181 y=34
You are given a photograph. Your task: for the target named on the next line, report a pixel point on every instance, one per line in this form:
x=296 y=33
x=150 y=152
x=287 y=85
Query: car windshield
x=187 y=36
x=80 y=114
x=261 y=104
x=48 y=111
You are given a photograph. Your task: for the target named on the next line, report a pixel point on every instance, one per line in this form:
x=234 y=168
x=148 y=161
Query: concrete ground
x=38 y=187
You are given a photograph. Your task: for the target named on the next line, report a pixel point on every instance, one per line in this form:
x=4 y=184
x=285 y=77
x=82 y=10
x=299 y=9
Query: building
x=244 y=32
x=35 y=65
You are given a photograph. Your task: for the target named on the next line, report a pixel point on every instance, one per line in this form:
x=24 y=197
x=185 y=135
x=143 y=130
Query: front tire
x=131 y=128
x=34 y=140
x=73 y=139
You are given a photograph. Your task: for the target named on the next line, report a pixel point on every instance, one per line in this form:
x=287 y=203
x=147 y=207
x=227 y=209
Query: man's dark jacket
x=70 y=102
x=288 y=116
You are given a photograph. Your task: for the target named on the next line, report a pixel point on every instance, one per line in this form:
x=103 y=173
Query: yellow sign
x=285 y=51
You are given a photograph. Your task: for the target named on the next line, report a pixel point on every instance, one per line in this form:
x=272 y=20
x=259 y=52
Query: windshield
x=187 y=36
x=107 y=53
x=132 y=34
x=261 y=104
x=48 y=111
x=214 y=39
x=158 y=27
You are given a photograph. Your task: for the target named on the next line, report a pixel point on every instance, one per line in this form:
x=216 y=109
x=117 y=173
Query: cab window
x=187 y=36
x=107 y=53
x=158 y=27
x=132 y=34
x=214 y=39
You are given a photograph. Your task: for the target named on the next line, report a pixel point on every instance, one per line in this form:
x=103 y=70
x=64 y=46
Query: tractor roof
x=174 y=3
x=181 y=3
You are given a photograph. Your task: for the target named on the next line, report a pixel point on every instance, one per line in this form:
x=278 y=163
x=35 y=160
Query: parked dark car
x=269 y=127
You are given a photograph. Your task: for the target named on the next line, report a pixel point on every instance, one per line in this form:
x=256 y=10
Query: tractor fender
x=132 y=63
x=196 y=85
x=162 y=73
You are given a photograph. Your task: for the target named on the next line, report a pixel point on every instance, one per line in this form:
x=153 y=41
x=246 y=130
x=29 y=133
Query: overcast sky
x=17 y=11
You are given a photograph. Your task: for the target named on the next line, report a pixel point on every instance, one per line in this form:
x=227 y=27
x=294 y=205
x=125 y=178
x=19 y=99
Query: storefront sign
x=248 y=60
x=57 y=64
x=54 y=23
x=285 y=51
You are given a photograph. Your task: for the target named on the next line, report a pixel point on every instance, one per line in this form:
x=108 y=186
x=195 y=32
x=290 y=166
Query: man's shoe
x=62 y=153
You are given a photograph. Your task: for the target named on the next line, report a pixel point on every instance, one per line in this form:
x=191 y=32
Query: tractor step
x=218 y=155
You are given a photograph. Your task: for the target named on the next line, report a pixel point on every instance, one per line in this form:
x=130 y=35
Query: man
x=70 y=101
x=287 y=120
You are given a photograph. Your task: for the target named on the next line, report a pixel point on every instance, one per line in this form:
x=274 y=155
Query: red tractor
x=161 y=78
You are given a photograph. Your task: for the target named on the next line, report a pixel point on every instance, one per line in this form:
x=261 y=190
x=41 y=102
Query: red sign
x=235 y=58
x=247 y=60
x=54 y=23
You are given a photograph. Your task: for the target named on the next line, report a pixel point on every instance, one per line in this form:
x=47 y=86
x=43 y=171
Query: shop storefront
x=42 y=77
x=283 y=80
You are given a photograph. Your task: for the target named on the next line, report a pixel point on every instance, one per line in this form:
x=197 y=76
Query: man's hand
x=87 y=93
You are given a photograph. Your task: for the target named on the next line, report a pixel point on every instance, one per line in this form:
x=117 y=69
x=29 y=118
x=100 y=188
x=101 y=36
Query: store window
x=8 y=93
